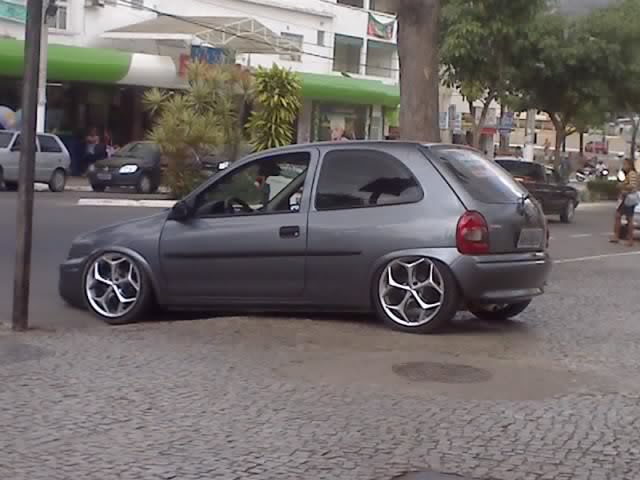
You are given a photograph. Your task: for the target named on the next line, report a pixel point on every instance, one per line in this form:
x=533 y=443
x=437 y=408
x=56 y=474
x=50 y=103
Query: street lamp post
x=26 y=172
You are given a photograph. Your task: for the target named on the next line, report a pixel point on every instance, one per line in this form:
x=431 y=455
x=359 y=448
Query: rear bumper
x=70 y=282
x=506 y=278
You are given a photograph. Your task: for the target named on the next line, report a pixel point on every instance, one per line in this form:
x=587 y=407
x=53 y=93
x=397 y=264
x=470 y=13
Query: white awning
x=239 y=34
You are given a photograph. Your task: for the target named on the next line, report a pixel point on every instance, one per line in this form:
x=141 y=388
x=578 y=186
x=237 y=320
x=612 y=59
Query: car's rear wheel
x=416 y=294
x=10 y=186
x=116 y=288
x=1 y=178
x=500 y=312
x=145 y=185
x=58 y=180
x=568 y=212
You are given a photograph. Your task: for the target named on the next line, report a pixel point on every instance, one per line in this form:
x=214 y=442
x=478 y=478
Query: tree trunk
x=561 y=133
x=418 y=23
x=504 y=137
x=581 y=144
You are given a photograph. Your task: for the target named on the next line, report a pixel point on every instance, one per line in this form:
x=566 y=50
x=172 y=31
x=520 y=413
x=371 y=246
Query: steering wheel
x=231 y=202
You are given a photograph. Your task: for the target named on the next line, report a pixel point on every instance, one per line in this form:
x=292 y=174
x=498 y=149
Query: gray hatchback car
x=412 y=232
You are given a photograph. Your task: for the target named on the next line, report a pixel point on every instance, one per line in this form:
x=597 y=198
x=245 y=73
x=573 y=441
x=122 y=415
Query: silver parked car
x=413 y=232
x=52 y=160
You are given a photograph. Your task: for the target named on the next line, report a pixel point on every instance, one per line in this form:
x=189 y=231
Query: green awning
x=68 y=64
x=340 y=89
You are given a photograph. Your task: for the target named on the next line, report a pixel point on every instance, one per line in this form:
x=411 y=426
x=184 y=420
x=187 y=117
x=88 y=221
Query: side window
x=267 y=185
x=16 y=144
x=49 y=144
x=364 y=178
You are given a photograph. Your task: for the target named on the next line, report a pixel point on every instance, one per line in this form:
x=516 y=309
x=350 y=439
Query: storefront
x=336 y=106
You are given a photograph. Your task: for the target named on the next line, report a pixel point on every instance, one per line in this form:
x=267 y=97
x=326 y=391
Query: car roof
x=368 y=143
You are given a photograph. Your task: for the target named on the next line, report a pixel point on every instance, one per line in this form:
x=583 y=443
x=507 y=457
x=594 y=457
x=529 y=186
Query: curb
x=117 y=202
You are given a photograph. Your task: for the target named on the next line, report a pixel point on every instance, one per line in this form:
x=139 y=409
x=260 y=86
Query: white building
x=345 y=50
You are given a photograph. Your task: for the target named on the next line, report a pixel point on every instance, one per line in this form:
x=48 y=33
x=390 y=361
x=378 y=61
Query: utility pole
x=529 y=143
x=50 y=10
x=24 y=219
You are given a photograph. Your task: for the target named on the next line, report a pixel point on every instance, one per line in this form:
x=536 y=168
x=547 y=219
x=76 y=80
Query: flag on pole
x=379 y=28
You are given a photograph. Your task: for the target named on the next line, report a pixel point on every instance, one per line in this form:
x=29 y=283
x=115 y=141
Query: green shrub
x=278 y=95
x=603 y=189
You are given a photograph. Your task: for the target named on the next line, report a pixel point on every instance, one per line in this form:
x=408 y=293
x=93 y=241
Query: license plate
x=531 y=238
x=104 y=176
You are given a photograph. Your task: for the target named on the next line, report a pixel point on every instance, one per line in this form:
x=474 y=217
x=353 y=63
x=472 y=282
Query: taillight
x=472 y=234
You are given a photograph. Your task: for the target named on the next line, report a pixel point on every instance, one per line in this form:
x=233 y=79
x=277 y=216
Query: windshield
x=484 y=180
x=530 y=170
x=5 y=139
x=137 y=150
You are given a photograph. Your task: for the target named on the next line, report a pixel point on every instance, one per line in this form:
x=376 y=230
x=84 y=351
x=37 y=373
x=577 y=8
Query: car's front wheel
x=500 y=312
x=116 y=288
x=98 y=188
x=145 y=185
x=416 y=294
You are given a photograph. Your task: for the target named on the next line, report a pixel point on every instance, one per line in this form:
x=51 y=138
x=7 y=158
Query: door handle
x=290 y=231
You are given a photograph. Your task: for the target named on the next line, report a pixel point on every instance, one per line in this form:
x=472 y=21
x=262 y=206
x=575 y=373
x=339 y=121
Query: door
x=49 y=157
x=13 y=161
x=558 y=191
x=246 y=238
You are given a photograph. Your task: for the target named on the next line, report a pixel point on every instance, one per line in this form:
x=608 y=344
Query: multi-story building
x=102 y=53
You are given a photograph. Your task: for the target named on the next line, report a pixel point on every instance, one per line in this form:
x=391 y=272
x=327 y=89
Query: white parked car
x=52 y=160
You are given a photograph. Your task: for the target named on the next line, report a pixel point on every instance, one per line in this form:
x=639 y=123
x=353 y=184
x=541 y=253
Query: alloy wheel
x=411 y=291
x=112 y=285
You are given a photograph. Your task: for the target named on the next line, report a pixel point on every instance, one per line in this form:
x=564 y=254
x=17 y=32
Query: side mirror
x=180 y=211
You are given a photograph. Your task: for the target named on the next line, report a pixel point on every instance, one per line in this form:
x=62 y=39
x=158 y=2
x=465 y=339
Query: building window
x=320 y=40
x=364 y=178
x=59 y=21
x=384 y=6
x=346 y=54
x=352 y=3
x=296 y=41
x=380 y=59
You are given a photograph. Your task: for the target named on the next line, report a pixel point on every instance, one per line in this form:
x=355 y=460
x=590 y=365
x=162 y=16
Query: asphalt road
x=59 y=218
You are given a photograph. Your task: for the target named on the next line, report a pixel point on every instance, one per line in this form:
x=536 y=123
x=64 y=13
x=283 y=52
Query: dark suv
x=545 y=184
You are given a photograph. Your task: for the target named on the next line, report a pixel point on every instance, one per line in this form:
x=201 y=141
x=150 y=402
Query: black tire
x=98 y=188
x=500 y=314
x=58 y=181
x=449 y=304
x=11 y=186
x=568 y=212
x=145 y=184
x=143 y=303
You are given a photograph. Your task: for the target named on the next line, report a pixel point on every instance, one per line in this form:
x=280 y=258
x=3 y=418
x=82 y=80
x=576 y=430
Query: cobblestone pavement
x=278 y=398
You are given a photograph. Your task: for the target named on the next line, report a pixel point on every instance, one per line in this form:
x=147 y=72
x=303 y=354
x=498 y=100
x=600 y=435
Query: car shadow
x=463 y=323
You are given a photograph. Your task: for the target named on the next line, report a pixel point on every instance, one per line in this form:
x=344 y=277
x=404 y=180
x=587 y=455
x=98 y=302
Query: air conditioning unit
x=95 y=3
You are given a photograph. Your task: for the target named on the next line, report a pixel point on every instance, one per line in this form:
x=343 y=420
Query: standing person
x=92 y=140
x=627 y=202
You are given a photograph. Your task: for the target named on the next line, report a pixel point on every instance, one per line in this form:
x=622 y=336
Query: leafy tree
x=206 y=117
x=564 y=71
x=617 y=27
x=278 y=93
x=418 y=33
x=483 y=45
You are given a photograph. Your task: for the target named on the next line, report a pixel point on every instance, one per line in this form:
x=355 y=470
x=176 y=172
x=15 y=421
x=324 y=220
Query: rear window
x=484 y=180
x=5 y=139
x=533 y=171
